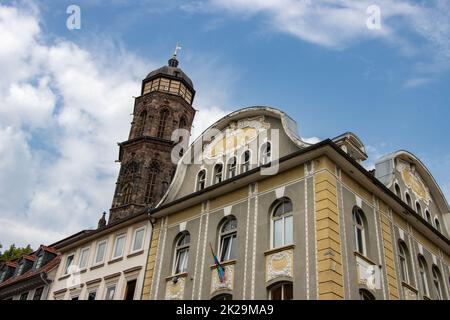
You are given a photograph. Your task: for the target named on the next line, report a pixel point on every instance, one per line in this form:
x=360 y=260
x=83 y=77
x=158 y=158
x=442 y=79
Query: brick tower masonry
x=165 y=104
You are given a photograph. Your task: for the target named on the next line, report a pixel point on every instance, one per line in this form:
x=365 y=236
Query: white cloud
x=63 y=107
x=416 y=82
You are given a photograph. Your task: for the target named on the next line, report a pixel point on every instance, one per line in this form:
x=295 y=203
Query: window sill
x=279 y=249
x=225 y=263
x=115 y=260
x=410 y=287
x=178 y=275
x=357 y=254
x=64 y=277
x=134 y=254
x=97 y=266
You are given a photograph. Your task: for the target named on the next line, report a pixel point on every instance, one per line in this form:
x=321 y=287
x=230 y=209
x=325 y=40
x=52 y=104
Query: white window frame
x=437 y=224
x=116 y=238
x=246 y=165
x=110 y=285
x=96 y=263
x=283 y=218
x=90 y=290
x=235 y=167
x=362 y=228
x=180 y=248
x=216 y=175
x=403 y=261
x=88 y=249
x=265 y=157
x=437 y=280
x=66 y=267
x=227 y=234
x=197 y=182
x=423 y=275
x=134 y=239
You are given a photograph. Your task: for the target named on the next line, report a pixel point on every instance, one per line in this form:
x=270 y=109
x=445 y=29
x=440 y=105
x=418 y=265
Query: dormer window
x=20 y=268
x=39 y=260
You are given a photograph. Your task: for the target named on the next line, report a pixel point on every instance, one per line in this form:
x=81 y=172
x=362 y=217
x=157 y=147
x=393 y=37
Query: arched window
x=228 y=232
x=218 y=170
x=162 y=123
x=266 y=153
x=232 y=167
x=151 y=186
x=437 y=224
x=397 y=191
x=281 y=291
x=423 y=274
x=418 y=208
x=201 y=179
x=141 y=124
x=182 y=253
x=223 y=296
x=437 y=283
x=360 y=233
x=365 y=295
x=403 y=257
x=428 y=217
x=282 y=226
x=246 y=161
x=127 y=192
x=408 y=199
x=183 y=123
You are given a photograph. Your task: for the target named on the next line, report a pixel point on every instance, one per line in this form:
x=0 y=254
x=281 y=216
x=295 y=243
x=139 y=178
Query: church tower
x=165 y=104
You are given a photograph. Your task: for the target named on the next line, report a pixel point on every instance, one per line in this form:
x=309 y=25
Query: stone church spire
x=146 y=170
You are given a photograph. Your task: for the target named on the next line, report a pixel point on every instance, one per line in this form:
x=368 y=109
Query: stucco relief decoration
x=413 y=180
x=368 y=273
x=227 y=284
x=409 y=293
x=279 y=265
x=235 y=136
x=175 y=290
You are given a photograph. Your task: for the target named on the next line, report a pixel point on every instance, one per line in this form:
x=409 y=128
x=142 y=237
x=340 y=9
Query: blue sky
x=315 y=60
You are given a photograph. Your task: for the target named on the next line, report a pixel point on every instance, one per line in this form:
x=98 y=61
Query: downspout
x=152 y=223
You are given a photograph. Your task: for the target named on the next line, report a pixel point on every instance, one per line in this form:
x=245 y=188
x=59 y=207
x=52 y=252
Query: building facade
x=103 y=264
x=292 y=220
x=29 y=277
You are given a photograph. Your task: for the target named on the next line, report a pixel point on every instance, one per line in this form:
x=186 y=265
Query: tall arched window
x=183 y=123
x=423 y=274
x=218 y=170
x=162 y=123
x=127 y=193
x=437 y=224
x=232 y=167
x=403 y=257
x=201 y=180
x=365 y=295
x=266 y=152
x=151 y=185
x=397 y=191
x=437 y=283
x=408 y=199
x=360 y=233
x=282 y=226
x=428 y=217
x=228 y=232
x=281 y=291
x=182 y=253
x=141 y=124
x=418 y=208
x=246 y=161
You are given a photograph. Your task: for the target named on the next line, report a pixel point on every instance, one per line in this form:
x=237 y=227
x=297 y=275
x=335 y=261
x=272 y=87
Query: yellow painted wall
x=329 y=257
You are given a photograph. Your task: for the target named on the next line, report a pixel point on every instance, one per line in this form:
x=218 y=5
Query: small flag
x=220 y=269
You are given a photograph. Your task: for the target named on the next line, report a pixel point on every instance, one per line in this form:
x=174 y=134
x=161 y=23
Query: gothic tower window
x=162 y=123
x=127 y=192
x=141 y=124
x=183 y=123
x=151 y=187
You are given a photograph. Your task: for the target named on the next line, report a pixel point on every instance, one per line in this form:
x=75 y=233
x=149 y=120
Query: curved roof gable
x=385 y=167
x=288 y=124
